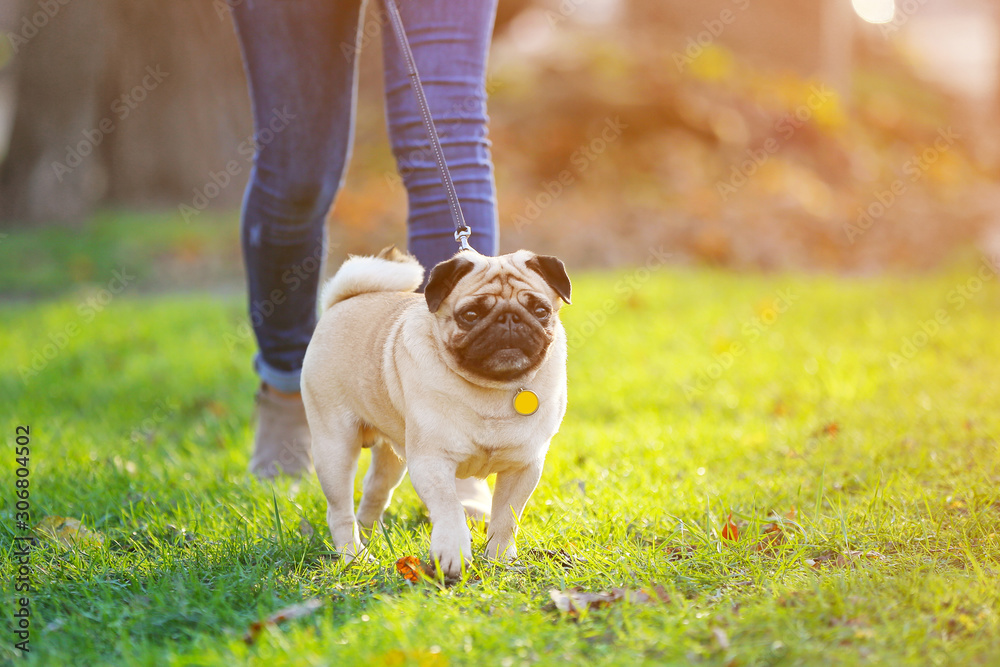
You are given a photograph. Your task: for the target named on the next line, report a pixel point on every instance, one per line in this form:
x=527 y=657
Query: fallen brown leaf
x=68 y=532
x=774 y=533
x=286 y=614
x=575 y=600
x=561 y=556
x=218 y=409
x=679 y=552
x=730 y=531
x=838 y=559
x=853 y=557
x=411 y=568
x=773 y=537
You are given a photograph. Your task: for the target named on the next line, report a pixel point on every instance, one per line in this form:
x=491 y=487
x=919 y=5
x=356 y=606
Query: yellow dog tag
x=525 y=402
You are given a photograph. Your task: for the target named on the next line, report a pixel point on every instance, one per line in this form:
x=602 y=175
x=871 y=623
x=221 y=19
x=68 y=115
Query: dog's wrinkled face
x=497 y=316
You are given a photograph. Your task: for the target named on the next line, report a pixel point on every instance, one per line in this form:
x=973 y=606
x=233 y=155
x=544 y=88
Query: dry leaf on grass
x=679 y=551
x=68 y=532
x=770 y=540
x=830 y=429
x=575 y=600
x=560 y=556
x=838 y=559
x=286 y=614
x=774 y=533
x=412 y=569
x=730 y=531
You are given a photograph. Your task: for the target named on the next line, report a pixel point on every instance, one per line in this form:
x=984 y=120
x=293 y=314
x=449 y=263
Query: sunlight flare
x=875 y=11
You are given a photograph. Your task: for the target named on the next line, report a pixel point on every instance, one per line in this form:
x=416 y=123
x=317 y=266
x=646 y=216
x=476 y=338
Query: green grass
x=157 y=249
x=140 y=427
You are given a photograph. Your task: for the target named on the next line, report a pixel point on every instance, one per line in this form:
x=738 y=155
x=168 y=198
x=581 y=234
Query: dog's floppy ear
x=443 y=279
x=554 y=271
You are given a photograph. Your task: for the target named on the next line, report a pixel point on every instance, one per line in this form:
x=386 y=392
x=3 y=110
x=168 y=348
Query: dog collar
x=525 y=402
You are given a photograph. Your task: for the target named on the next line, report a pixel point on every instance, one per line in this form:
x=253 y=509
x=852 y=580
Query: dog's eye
x=541 y=312
x=469 y=315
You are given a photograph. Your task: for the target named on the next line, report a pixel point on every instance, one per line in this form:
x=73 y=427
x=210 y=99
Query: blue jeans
x=301 y=60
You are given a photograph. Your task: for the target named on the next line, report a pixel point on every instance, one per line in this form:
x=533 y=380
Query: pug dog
x=464 y=380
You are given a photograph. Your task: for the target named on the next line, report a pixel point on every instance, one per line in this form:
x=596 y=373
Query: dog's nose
x=509 y=317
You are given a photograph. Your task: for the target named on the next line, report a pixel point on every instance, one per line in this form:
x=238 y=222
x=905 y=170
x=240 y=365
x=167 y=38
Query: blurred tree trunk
x=127 y=102
x=54 y=101
x=124 y=102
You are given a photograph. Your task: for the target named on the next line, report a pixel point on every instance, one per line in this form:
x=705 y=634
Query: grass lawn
x=863 y=487
x=153 y=249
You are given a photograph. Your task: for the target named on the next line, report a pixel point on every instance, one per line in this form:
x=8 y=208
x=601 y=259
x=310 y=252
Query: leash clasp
x=462 y=235
x=462 y=230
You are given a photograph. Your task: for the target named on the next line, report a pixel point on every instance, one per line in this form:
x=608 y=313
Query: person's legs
x=300 y=59
x=450 y=44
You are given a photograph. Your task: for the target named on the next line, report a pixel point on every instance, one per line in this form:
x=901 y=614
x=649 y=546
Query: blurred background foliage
x=763 y=134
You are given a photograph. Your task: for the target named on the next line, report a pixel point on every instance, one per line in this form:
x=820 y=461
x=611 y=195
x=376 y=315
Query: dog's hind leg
x=511 y=494
x=384 y=475
x=336 y=445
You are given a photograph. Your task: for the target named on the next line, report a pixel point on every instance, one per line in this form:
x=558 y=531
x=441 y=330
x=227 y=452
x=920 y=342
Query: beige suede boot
x=282 y=445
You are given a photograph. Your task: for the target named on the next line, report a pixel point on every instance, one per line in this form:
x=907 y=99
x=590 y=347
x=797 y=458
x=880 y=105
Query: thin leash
x=462 y=230
x=525 y=401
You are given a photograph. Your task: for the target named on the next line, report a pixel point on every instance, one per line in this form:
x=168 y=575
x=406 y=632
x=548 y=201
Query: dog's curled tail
x=390 y=271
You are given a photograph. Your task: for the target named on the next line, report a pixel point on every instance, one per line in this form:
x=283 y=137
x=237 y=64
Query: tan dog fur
x=381 y=372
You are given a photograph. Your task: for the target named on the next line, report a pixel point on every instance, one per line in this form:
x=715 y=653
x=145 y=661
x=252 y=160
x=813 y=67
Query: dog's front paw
x=451 y=547
x=353 y=551
x=366 y=531
x=501 y=551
